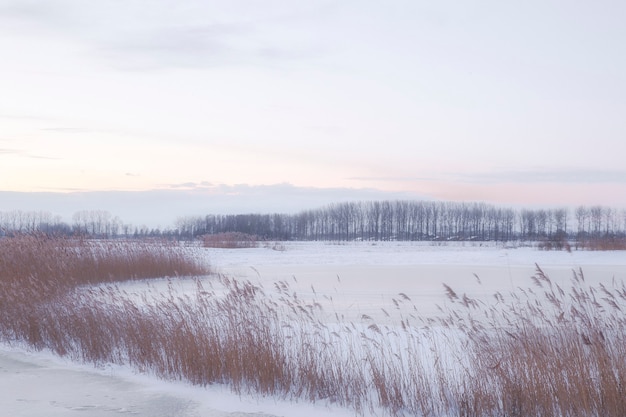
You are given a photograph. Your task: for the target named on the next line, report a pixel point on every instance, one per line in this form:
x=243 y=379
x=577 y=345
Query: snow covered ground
x=360 y=278
x=39 y=384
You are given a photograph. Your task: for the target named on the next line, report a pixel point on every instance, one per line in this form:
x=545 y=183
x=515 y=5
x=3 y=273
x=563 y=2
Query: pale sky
x=503 y=102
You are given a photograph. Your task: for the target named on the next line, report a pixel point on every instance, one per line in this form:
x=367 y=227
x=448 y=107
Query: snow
x=363 y=277
x=40 y=384
x=360 y=277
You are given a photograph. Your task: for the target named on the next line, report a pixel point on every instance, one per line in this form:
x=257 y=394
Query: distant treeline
x=354 y=221
x=87 y=223
x=417 y=220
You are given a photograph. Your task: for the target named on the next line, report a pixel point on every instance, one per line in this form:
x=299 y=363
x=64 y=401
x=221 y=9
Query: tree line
x=354 y=221
x=86 y=223
x=416 y=220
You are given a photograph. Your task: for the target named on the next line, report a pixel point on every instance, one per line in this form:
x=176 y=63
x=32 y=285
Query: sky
x=512 y=103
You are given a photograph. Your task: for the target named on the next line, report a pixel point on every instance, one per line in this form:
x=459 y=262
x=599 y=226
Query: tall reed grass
x=549 y=350
x=37 y=272
x=540 y=351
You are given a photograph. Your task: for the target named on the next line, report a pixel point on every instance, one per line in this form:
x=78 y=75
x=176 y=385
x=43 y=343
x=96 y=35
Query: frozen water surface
x=364 y=277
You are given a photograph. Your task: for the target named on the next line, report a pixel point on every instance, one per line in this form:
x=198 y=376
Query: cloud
x=189 y=186
x=22 y=154
x=5 y=151
x=144 y=35
x=565 y=176
x=197 y=47
x=51 y=158
x=21 y=117
x=25 y=10
x=569 y=176
x=68 y=129
x=397 y=179
x=167 y=47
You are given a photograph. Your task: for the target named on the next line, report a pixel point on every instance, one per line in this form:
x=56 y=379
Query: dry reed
x=230 y=240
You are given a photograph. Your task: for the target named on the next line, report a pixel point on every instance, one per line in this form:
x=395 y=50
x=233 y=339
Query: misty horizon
x=163 y=209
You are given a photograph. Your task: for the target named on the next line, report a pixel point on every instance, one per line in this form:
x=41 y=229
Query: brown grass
x=230 y=240
x=37 y=273
x=549 y=351
x=541 y=351
x=604 y=244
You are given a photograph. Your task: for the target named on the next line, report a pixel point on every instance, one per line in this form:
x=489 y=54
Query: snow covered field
x=350 y=279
